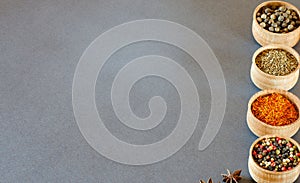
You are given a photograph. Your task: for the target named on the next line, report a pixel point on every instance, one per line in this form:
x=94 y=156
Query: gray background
x=41 y=43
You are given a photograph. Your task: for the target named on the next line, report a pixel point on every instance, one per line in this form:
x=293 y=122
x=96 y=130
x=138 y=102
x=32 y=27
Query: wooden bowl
x=267 y=81
x=262 y=175
x=265 y=37
x=260 y=128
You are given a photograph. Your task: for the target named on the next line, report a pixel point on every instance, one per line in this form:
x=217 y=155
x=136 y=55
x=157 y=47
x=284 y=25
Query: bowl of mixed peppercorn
x=275 y=66
x=274 y=158
x=273 y=112
x=276 y=22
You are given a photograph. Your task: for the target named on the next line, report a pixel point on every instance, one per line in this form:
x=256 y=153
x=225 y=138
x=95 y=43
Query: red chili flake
x=275 y=109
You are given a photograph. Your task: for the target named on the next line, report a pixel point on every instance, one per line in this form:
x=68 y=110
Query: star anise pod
x=232 y=177
x=209 y=181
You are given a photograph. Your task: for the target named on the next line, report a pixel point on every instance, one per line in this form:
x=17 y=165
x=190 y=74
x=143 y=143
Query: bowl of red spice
x=273 y=112
x=274 y=159
x=276 y=22
x=275 y=66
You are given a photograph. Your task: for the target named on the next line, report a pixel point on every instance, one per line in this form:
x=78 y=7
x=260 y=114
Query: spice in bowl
x=275 y=109
x=277 y=62
x=278 y=19
x=276 y=154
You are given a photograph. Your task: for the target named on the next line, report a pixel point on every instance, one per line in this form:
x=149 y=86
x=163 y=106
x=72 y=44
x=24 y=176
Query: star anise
x=232 y=177
x=209 y=181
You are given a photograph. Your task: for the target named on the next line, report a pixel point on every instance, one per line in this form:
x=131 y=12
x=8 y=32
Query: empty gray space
x=40 y=45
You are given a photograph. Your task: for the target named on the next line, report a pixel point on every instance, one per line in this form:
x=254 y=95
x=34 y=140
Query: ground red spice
x=275 y=109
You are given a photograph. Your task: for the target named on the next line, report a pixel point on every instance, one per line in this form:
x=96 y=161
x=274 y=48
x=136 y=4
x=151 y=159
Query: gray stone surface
x=41 y=43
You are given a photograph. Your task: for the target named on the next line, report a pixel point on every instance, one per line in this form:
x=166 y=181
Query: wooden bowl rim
x=268 y=171
x=276 y=46
x=287 y=94
x=291 y=6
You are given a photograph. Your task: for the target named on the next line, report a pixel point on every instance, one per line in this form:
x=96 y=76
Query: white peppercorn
x=268 y=10
x=287 y=20
x=259 y=19
x=281 y=18
x=263 y=24
x=270 y=22
x=284 y=25
x=274 y=25
x=263 y=16
x=290 y=27
x=282 y=8
x=273 y=16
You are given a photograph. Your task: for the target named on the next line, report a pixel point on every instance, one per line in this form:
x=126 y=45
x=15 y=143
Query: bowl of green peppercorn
x=274 y=159
x=276 y=22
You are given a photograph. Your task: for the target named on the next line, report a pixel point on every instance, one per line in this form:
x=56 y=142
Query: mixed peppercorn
x=276 y=154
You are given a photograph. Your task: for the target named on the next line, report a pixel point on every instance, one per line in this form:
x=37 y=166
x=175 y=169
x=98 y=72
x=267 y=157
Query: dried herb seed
x=276 y=62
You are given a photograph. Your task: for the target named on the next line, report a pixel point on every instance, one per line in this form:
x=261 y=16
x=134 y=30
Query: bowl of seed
x=274 y=159
x=275 y=66
x=273 y=112
x=276 y=22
